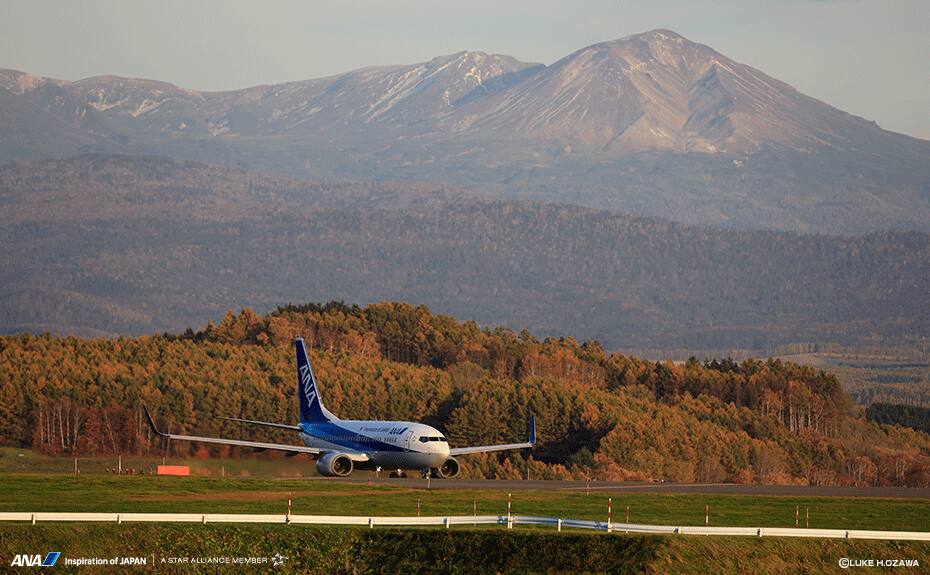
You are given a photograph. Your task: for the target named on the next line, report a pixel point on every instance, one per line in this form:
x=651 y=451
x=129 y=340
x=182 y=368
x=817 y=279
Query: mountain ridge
x=652 y=124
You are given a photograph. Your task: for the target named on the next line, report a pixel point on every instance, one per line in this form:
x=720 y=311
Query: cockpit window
x=423 y=439
x=427 y=438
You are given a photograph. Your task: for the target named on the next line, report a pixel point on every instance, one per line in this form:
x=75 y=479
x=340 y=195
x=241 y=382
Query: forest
x=912 y=416
x=603 y=415
x=105 y=245
x=895 y=376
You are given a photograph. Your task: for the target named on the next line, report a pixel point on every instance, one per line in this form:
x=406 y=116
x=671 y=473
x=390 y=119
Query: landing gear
x=449 y=469
x=399 y=474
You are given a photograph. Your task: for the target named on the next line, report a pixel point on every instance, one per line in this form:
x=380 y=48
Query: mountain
x=111 y=107
x=125 y=244
x=652 y=124
x=653 y=92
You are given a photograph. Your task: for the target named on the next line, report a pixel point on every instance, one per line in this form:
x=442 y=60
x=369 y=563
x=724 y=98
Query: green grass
x=13 y=460
x=37 y=492
x=336 y=550
x=697 y=555
x=313 y=549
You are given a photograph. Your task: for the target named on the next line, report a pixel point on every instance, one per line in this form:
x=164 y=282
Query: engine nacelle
x=334 y=465
x=448 y=470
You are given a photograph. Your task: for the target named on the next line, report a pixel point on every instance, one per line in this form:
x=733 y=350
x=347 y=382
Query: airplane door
x=408 y=441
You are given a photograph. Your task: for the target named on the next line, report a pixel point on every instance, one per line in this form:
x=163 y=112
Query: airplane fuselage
x=388 y=444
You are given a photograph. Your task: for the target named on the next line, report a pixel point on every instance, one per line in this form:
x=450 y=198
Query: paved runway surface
x=633 y=487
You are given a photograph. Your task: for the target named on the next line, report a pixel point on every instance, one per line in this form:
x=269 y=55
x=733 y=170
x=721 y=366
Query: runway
x=640 y=487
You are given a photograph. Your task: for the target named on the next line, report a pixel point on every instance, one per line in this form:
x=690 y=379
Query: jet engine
x=334 y=465
x=447 y=470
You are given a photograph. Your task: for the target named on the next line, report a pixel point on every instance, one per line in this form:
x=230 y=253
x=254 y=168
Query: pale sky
x=867 y=57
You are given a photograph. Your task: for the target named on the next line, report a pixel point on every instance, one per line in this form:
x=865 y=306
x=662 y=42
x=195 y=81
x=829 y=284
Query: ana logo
x=307 y=380
x=24 y=560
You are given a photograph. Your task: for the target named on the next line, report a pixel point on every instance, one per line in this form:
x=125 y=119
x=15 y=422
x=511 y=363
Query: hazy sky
x=868 y=57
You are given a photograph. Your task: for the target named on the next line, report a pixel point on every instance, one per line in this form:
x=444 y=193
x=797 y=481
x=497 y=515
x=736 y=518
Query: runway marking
x=260 y=495
x=655 y=486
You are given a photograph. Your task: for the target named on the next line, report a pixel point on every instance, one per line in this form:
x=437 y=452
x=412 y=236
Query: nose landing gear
x=398 y=474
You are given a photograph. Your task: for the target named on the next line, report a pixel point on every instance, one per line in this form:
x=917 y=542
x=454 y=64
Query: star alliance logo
x=278 y=560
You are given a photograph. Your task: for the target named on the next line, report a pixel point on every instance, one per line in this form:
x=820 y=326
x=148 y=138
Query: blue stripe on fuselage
x=332 y=433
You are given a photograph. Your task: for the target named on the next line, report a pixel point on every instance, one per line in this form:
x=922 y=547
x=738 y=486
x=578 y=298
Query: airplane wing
x=293 y=449
x=265 y=423
x=486 y=448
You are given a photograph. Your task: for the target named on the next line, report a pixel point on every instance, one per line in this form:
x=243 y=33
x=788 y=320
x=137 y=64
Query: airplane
x=343 y=445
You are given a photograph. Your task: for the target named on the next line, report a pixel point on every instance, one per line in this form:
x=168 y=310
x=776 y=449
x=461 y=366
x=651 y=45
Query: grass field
x=37 y=492
x=13 y=460
x=329 y=550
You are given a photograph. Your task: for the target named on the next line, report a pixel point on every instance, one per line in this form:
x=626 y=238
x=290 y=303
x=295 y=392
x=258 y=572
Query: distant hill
x=651 y=124
x=121 y=244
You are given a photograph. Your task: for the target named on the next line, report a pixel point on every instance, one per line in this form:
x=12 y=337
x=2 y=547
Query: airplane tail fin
x=308 y=396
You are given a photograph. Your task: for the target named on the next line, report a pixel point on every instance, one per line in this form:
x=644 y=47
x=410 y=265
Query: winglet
x=148 y=416
x=532 y=440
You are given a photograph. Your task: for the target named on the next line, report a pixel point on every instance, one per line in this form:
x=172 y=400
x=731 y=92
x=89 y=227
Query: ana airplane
x=341 y=445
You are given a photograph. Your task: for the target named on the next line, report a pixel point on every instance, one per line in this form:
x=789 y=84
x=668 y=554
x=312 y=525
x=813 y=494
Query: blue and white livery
x=341 y=445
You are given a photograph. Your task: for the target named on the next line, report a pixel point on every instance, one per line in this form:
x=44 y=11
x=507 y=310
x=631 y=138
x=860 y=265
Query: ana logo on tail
x=311 y=404
x=306 y=379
